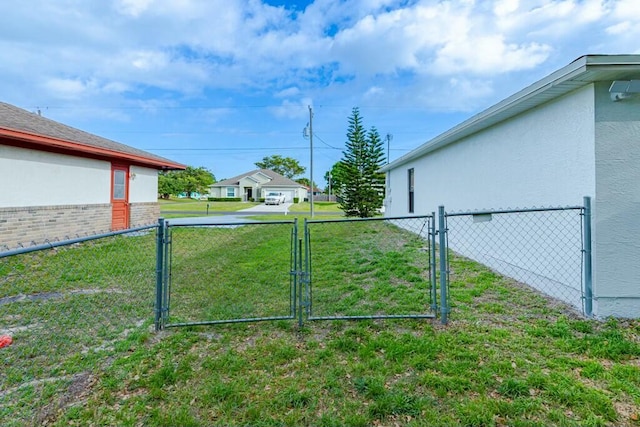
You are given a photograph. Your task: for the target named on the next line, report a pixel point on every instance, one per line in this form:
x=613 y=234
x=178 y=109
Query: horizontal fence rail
x=373 y=268
x=229 y=273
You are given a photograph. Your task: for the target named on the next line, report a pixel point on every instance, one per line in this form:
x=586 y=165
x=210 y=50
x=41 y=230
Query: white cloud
x=292 y=109
x=374 y=92
x=132 y=7
x=148 y=60
x=189 y=47
x=505 y=7
x=288 y=92
x=68 y=89
x=620 y=28
x=488 y=55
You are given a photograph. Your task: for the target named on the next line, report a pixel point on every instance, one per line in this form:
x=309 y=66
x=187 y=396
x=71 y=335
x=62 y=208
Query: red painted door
x=119 y=197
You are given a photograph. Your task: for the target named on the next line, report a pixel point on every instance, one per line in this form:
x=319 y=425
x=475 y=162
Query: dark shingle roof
x=15 y=118
x=276 y=179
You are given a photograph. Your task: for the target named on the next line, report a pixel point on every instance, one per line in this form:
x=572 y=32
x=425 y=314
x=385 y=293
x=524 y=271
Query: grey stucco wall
x=617 y=206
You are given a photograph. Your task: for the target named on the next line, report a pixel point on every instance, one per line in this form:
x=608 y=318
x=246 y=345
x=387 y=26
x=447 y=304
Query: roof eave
x=562 y=81
x=30 y=140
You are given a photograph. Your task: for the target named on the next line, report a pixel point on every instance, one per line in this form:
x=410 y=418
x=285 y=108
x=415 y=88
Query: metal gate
x=207 y=273
x=218 y=273
x=375 y=268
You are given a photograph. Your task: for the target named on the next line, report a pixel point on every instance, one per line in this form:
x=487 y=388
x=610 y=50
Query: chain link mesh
x=64 y=307
x=376 y=267
x=540 y=248
x=231 y=272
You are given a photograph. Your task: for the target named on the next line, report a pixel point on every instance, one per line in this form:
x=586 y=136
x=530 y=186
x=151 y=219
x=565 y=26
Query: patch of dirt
x=76 y=392
x=627 y=412
x=45 y=296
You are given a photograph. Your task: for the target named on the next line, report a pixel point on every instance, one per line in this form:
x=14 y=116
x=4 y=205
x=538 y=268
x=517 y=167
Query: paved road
x=236 y=217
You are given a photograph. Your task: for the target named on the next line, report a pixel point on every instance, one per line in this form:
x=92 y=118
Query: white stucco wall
x=544 y=157
x=143 y=185
x=38 y=178
x=617 y=207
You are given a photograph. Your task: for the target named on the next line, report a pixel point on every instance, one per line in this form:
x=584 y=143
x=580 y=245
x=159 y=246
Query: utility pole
x=389 y=138
x=311 y=157
x=308 y=131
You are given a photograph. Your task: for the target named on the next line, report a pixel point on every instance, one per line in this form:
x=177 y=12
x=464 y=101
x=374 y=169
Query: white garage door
x=289 y=196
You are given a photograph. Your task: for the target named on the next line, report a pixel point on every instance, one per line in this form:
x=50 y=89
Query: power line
x=328 y=145
x=230 y=149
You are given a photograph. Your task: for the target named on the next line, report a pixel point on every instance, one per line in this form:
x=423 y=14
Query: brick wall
x=144 y=213
x=37 y=224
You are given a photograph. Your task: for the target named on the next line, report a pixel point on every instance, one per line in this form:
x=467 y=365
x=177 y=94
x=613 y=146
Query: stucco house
x=256 y=184
x=574 y=133
x=59 y=181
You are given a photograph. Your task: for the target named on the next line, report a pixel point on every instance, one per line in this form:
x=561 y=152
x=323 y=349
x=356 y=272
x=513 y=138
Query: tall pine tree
x=363 y=192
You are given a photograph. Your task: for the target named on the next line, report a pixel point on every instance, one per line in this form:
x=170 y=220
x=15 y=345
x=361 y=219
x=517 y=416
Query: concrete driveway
x=268 y=209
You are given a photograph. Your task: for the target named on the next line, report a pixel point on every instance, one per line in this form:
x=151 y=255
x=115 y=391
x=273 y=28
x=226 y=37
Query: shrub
x=224 y=199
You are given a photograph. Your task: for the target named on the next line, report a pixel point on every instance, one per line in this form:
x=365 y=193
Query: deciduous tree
x=285 y=166
x=191 y=180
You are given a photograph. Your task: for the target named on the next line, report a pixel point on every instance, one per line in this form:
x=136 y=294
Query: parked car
x=274 y=198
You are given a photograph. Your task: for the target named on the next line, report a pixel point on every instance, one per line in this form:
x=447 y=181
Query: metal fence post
x=432 y=261
x=301 y=275
x=159 y=273
x=588 y=273
x=166 y=275
x=295 y=272
x=444 y=309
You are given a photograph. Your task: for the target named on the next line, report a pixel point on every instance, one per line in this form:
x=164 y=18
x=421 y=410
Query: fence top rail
x=383 y=218
x=510 y=211
x=230 y=224
x=67 y=242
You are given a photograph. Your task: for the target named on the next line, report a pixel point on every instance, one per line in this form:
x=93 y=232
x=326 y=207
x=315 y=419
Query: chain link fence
x=65 y=305
x=542 y=248
x=222 y=273
x=370 y=268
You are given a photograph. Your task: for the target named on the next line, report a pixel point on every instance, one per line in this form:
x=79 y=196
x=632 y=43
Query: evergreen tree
x=363 y=190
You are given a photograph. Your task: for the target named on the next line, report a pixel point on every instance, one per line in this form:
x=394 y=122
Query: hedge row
x=224 y=199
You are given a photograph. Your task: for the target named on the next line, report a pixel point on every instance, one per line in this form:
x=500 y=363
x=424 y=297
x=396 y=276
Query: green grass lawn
x=317 y=207
x=508 y=357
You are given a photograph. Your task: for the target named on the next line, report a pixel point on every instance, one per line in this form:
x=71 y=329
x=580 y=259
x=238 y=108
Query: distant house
x=256 y=184
x=58 y=181
x=574 y=133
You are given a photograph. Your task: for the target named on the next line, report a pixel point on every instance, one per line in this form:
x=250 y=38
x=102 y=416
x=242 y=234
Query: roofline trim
x=64 y=145
x=482 y=120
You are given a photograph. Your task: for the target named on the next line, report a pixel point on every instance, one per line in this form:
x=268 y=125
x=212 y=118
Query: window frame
x=411 y=176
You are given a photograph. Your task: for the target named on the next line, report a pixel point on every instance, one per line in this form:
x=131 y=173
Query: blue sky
x=224 y=83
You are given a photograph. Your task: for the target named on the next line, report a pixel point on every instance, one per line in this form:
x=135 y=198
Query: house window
x=231 y=192
x=119 y=184
x=410 y=179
